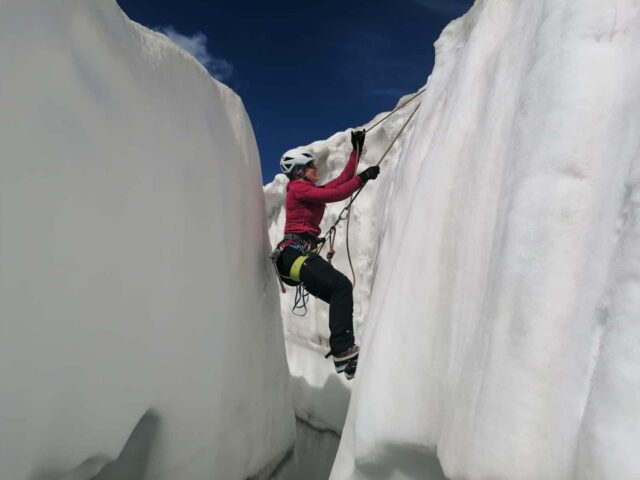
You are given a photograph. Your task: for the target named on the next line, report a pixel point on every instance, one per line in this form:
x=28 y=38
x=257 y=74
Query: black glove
x=357 y=139
x=370 y=173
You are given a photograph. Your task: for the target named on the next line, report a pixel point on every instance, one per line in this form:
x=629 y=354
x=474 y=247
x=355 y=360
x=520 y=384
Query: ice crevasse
x=502 y=338
x=496 y=260
x=131 y=210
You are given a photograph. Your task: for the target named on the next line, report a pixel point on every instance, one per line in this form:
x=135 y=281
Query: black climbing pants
x=326 y=283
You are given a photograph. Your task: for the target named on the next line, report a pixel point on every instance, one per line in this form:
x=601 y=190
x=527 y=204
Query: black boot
x=347 y=361
x=350 y=369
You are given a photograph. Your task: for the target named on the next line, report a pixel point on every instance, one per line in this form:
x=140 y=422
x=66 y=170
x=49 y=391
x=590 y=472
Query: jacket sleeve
x=312 y=194
x=347 y=173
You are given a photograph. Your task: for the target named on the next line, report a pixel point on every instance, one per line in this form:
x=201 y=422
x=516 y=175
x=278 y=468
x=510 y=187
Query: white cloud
x=220 y=69
x=196 y=45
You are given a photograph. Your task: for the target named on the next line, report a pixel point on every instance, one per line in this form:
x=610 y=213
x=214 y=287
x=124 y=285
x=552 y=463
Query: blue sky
x=306 y=68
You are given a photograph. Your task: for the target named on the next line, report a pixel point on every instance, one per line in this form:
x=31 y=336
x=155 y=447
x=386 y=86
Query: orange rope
x=353 y=198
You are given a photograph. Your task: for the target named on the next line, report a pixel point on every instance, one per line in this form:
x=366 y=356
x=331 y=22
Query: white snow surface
x=502 y=239
x=313 y=456
x=502 y=330
x=133 y=254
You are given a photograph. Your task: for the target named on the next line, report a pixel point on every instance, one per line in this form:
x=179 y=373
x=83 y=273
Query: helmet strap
x=298 y=172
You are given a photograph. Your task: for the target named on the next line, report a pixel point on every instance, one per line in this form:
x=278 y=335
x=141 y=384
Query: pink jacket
x=305 y=203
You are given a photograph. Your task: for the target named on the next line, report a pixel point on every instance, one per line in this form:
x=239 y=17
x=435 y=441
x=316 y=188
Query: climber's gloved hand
x=357 y=139
x=361 y=135
x=370 y=173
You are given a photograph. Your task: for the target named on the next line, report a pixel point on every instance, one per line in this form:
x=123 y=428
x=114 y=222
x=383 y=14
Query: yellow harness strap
x=294 y=274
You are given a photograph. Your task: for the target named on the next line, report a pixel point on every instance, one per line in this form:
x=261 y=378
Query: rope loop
x=301 y=300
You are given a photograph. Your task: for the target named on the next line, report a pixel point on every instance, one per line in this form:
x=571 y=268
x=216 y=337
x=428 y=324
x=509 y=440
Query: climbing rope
x=353 y=273
x=302 y=295
x=399 y=107
x=301 y=300
x=345 y=214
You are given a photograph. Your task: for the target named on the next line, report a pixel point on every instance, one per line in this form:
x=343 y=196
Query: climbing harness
x=308 y=249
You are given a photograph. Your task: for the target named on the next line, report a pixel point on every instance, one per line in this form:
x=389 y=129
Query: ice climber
x=298 y=261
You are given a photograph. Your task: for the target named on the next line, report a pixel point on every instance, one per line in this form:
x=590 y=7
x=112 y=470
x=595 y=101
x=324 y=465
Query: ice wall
x=320 y=396
x=133 y=254
x=502 y=331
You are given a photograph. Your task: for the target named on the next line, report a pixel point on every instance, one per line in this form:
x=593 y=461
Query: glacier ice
x=133 y=253
x=501 y=333
x=496 y=259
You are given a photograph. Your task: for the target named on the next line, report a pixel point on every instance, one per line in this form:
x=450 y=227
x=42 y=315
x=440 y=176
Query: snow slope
x=133 y=253
x=502 y=331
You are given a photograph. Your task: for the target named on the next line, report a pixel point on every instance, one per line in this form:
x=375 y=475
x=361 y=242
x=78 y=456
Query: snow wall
x=501 y=338
x=133 y=253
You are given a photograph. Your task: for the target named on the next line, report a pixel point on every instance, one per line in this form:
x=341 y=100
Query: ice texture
x=497 y=259
x=134 y=268
x=502 y=336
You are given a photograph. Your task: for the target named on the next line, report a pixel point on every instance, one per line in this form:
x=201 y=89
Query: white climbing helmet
x=294 y=158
